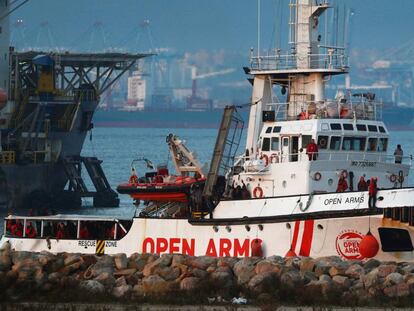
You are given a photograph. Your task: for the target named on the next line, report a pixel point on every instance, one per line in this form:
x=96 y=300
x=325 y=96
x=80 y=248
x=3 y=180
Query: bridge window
x=323 y=142
x=354 y=143
x=381 y=129
x=382 y=144
x=336 y=126
x=361 y=127
x=372 y=144
x=348 y=127
x=306 y=139
x=266 y=144
x=269 y=130
x=275 y=143
x=277 y=129
x=372 y=128
x=335 y=143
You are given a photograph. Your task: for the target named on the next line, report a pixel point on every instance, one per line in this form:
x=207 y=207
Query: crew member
x=312 y=150
x=133 y=179
x=83 y=232
x=342 y=184
x=362 y=184
x=30 y=230
x=61 y=232
x=372 y=192
x=17 y=229
x=398 y=153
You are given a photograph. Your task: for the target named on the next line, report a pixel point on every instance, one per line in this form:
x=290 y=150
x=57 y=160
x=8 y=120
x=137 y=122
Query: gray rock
x=154 y=284
x=169 y=273
x=384 y=270
x=104 y=265
x=198 y=273
x=342 y=281
x=54 y=277
x=307 y=264
x=92 y=287
x=355 y=271
x=5 y=262
x=202 y=262
x=399 y=290
x=276 y=259
x=322 y=267
x=162 y=262
x=244 y=270
x=339 y=268
x=71 y=259
x=372 y=279
x=106 y=279
x=291 y=279
x=223 y=280
x=408 y=268
x=263 y=282
x=121 y=291
x=267 y=266
x=393 y=279
x=371 y=264
x=227 y=262
x=308 y=276
x=325 y=278
x=120 y=281
x=190 y=284
x=121 y=261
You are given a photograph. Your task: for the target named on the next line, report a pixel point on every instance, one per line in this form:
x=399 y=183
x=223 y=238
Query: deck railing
x=333 y=60
x=359 y=108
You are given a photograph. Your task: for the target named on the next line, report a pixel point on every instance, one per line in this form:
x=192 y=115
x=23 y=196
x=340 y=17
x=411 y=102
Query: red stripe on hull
x=295 y=236
x=307 y=238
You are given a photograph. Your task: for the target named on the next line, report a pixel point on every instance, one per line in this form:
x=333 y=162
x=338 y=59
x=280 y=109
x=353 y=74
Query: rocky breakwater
x=185 y=279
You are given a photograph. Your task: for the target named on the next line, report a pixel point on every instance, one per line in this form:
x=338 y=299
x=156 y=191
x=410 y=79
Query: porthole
x=330 y=181
x=260 y=227
x=288 y=226
x=284 y=183
x=320 y=227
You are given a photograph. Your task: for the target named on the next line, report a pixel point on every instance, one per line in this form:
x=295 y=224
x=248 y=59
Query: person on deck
x=342 y=184
x=61 y=231
x=362 y=184
x=372 y=192
x=30 y=231
x=398 y=153
x=312 y=150
x=83 y=232
x=17 y=229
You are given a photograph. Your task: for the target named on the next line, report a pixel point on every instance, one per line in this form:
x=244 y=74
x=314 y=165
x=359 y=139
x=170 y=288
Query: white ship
x=283 y=196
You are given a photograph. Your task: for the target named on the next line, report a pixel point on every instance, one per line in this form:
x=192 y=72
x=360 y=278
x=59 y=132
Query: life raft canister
x=256 y=247
x=258 y=192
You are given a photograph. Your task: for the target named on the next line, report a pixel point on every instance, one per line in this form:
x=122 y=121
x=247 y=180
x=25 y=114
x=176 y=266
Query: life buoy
x=274 y=158
x=133 y=179
x=258 y=192
x=256 y=247
x=393 y=177
x=265 y=158
x=317 y=176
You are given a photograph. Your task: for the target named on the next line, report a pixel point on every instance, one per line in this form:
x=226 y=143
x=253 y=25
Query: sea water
x=118 y=147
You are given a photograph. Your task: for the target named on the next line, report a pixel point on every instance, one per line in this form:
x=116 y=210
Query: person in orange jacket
x=312 y=150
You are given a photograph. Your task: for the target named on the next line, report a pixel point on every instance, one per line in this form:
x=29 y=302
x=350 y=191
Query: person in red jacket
x=61 y=231
x=362 y=184
x=342 y=184
x=30 y=231
x=372 y=192
x=83 y=232
x=17 y=229
x=312 y=150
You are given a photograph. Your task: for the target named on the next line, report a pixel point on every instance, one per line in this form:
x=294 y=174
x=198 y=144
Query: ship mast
x=302 y=71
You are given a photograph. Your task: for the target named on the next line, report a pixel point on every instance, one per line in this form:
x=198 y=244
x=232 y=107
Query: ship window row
x=274 y=129
x=359 y=127
x=372 y=144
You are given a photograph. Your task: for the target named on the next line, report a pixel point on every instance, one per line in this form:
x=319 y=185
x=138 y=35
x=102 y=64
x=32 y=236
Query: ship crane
x=195 y=102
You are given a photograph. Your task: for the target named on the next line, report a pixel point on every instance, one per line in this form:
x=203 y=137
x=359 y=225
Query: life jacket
x=30 y=232
x=17 y=230
x=342 y=185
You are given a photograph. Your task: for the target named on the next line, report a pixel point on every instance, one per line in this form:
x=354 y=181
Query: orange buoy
x=290 y=254
x=368 y=246
x=256 y=246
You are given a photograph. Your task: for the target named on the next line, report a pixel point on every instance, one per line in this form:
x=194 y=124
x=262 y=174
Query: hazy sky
x=196 y=24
